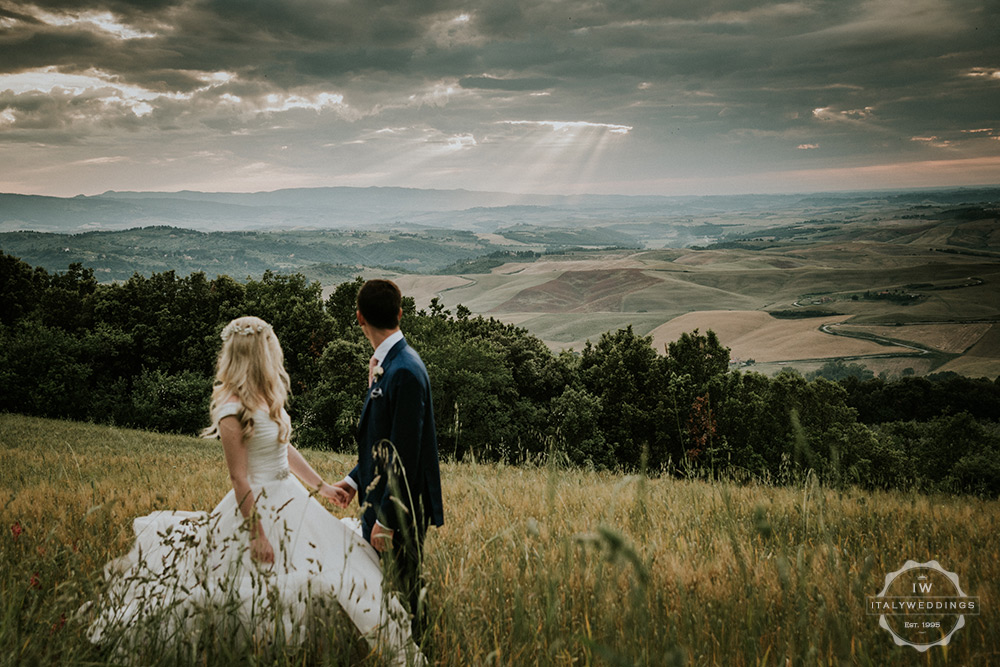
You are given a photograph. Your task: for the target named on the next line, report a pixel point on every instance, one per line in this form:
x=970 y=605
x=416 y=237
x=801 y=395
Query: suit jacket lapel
x=364 y=408
x=389 y=357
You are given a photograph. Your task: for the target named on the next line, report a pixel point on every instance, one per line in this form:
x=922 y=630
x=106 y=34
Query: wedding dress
x=187 y=566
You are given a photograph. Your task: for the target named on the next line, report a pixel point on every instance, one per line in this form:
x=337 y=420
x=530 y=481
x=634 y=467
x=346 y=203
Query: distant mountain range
x=376 y=207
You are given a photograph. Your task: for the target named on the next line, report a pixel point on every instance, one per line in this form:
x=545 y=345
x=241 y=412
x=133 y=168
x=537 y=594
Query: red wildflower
x=16 y=529
x=35 y=581
x=58 y=625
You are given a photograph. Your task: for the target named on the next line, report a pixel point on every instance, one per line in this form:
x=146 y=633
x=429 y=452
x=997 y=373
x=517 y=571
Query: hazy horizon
x=844 y=191
x=647 y=98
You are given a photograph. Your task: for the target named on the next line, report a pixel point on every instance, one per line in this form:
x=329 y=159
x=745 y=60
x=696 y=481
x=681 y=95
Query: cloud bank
x=523 y=96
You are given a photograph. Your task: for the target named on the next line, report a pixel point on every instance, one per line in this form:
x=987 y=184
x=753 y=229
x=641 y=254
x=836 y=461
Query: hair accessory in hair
x=241 y=329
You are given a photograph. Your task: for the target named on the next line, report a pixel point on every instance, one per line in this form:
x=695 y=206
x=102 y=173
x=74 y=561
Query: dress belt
x=268 y=476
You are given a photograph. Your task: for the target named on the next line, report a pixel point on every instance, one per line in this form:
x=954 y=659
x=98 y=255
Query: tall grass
x=535 y=565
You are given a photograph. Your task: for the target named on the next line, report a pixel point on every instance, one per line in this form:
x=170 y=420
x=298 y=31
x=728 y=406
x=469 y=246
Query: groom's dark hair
x=379 y=302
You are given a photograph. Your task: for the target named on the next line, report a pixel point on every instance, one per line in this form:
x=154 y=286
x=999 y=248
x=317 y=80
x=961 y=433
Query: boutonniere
x=377 y=373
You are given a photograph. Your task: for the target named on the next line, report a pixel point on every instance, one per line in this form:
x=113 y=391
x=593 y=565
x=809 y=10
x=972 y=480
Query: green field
x=535 y=565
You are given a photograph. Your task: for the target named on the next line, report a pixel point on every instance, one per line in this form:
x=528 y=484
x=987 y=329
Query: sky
x=667 y=97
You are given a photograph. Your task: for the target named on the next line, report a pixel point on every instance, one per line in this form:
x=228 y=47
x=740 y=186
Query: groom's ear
x=399 y=316
x=361 y=318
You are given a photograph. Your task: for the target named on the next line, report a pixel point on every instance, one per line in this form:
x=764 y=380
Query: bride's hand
x=261 y=550
x=337 y=493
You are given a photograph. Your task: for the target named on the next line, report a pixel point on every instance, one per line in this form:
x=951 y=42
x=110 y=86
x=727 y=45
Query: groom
x=397 y=479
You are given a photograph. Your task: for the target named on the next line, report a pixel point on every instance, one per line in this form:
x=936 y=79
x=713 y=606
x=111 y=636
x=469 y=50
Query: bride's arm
x=231 y=434
x=310 y=477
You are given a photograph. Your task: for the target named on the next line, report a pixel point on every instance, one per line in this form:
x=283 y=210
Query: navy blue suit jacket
x=398 y=476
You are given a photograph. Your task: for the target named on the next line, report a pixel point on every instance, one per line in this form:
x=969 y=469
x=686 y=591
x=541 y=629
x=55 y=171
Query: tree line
x=141 y=353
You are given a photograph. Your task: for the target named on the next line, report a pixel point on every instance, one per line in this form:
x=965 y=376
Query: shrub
x=174 y=403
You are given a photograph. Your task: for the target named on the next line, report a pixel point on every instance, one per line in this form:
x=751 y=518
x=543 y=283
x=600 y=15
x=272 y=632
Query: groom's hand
x=340 y=494
x=381 y=538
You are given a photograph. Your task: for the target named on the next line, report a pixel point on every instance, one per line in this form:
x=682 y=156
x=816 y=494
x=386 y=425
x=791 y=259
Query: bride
x=269 y=554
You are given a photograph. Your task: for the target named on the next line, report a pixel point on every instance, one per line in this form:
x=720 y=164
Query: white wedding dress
x=189 y=566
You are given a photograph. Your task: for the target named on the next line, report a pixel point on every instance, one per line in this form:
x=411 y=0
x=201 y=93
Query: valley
x=905 y=282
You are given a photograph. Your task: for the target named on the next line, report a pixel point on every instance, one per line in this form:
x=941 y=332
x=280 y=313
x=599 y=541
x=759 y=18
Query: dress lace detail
x=184 y=563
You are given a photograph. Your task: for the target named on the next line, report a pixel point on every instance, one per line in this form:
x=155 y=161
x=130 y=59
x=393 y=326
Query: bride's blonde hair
x=251 y=367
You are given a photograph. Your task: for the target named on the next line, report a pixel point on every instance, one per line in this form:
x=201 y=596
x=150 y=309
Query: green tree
x=748 y=426
x=67 y=300
x=474 y=395
x=622 y=371
x=44 y=371
x=171 y=402
x=701 y=357
x=20 y=288
x=575 y=416
x=326 y=416
x=294 y=307
x=342 y=307
x=837 y=370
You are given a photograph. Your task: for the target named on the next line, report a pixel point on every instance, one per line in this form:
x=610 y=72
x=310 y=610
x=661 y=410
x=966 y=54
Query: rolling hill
x=921 y=291
x=918 y=269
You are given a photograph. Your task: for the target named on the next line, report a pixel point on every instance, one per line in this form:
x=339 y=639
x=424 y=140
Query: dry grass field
x=950 y=338
x=536 y=565
x=580 y=292
x=757 y=335
x=569 y=299
x=982 y=360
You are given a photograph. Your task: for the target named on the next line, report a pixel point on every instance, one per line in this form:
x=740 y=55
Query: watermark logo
x=922 y=605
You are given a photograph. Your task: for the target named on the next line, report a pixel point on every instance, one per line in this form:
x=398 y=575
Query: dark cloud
x=318 y=65
x=512 y=84
x=60 y=117
x=503 y=18
x=43 y=47
x=736 y=78
x=17 y=16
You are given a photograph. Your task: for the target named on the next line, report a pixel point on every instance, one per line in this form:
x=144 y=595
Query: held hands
x=340 y=494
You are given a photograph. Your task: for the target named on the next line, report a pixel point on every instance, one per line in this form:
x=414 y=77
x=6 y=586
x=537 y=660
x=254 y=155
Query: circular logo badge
x=922 y=605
